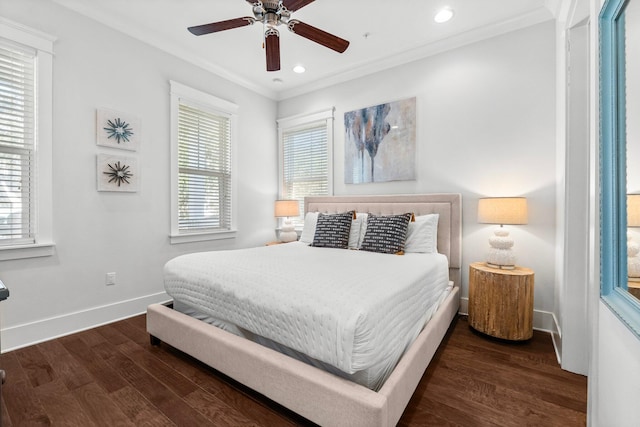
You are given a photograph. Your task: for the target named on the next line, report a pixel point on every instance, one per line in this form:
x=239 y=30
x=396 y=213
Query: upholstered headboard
x=447 y=205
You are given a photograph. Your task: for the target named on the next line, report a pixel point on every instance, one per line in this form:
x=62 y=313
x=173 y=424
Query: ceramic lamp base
x=500 y=254
x=288 y=233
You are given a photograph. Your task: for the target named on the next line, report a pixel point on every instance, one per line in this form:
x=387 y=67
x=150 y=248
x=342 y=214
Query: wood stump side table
x=501 y=301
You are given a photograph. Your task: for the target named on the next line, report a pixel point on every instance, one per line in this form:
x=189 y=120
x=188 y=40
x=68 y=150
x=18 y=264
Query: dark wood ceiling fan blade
x=294 y=5
x=317 y=35
x=272 y=49
x=214 y=27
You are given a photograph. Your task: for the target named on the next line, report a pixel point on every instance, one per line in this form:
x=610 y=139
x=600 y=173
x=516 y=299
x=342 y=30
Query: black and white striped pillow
x=386 y=234
x=332 y=230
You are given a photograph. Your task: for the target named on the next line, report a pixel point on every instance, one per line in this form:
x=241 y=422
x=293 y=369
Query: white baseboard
x=27 y=334
x=556 y=337
x=542 y=320
x=464 y=306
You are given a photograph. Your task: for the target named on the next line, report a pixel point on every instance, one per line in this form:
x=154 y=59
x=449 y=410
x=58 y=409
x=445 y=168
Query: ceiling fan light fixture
x=299 y=69
x=443 y=15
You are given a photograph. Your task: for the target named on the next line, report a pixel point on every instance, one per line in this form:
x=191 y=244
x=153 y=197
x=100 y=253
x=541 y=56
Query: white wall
x=615 y=400
x=94 y=232
x=485 y=127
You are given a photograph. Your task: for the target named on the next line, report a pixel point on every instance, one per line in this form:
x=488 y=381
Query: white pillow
x=422 y=234
x=354 y=234
x=309 y=229
x=363 y=227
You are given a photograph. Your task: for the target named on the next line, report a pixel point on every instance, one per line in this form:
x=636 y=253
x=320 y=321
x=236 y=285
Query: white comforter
x=349 y=309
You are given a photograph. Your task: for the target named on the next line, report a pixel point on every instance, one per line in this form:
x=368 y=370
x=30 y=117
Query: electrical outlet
x=110 y=279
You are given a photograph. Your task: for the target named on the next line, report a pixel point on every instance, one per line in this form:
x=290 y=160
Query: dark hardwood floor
x=112 y=376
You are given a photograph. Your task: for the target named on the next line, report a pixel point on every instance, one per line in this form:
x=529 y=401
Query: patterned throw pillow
x=332 y=230
x=386 y=234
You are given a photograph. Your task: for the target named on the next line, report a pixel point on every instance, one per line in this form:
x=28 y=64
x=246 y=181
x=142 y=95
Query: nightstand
x=501 y=301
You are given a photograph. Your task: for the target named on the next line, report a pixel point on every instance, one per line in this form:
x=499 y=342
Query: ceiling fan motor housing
x=271 y=12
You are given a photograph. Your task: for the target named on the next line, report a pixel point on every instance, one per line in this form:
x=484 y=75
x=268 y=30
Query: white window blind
x=204 y=170
x=305 y=163
x=17 y=145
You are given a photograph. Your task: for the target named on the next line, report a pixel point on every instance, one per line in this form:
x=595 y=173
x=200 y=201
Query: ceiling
x=383 y=34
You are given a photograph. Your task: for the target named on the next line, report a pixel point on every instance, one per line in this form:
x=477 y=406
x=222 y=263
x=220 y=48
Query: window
x=25 y=142
x=17 y=145
x=202 y=178
x=305 y=157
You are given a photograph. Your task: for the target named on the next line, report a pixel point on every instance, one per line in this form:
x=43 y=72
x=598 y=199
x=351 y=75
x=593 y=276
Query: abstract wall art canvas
x=117 y=130
x=117 y=173
x=380 y=143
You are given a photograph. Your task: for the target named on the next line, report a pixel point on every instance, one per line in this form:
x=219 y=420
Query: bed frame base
x=315 y=394
x=321 y=397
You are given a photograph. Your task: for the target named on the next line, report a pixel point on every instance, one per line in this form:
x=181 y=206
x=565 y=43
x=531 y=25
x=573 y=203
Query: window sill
x=201 y=237
x=35 y=250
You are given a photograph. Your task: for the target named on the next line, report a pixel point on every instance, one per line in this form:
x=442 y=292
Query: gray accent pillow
x=386 y=234
x=332 y=230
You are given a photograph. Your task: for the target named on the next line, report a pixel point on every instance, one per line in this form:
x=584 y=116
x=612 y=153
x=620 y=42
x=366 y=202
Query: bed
x=303 y=388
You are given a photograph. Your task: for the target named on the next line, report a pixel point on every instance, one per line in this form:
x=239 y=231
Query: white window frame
x=43 y=193
x=298 y=121
x=208 y=102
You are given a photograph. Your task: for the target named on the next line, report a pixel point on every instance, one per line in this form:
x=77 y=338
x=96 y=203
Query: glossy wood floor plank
x=150 y=386
x=6 y=421
x=67 y=368
x=61 y=405
x=97 y=403
x=23 y=406
x=100 y=371
x=139 y=410
x=35 y=365
x=111 y=375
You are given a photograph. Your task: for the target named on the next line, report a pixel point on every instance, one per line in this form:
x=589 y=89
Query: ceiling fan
x=272 y=14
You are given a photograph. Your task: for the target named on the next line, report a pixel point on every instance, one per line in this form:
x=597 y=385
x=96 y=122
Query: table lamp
x=502 y=210
x=286 y=209
x=633 y=248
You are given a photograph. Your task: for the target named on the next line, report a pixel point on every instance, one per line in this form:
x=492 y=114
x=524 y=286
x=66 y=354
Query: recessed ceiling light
x=443 y=15
x=299 y=69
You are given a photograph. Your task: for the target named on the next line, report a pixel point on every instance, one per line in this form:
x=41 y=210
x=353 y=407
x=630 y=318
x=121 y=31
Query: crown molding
x=535 y=17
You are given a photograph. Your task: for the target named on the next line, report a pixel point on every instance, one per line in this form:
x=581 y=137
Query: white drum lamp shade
x=633 y=248
x=286 y=209
x=502 y=211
